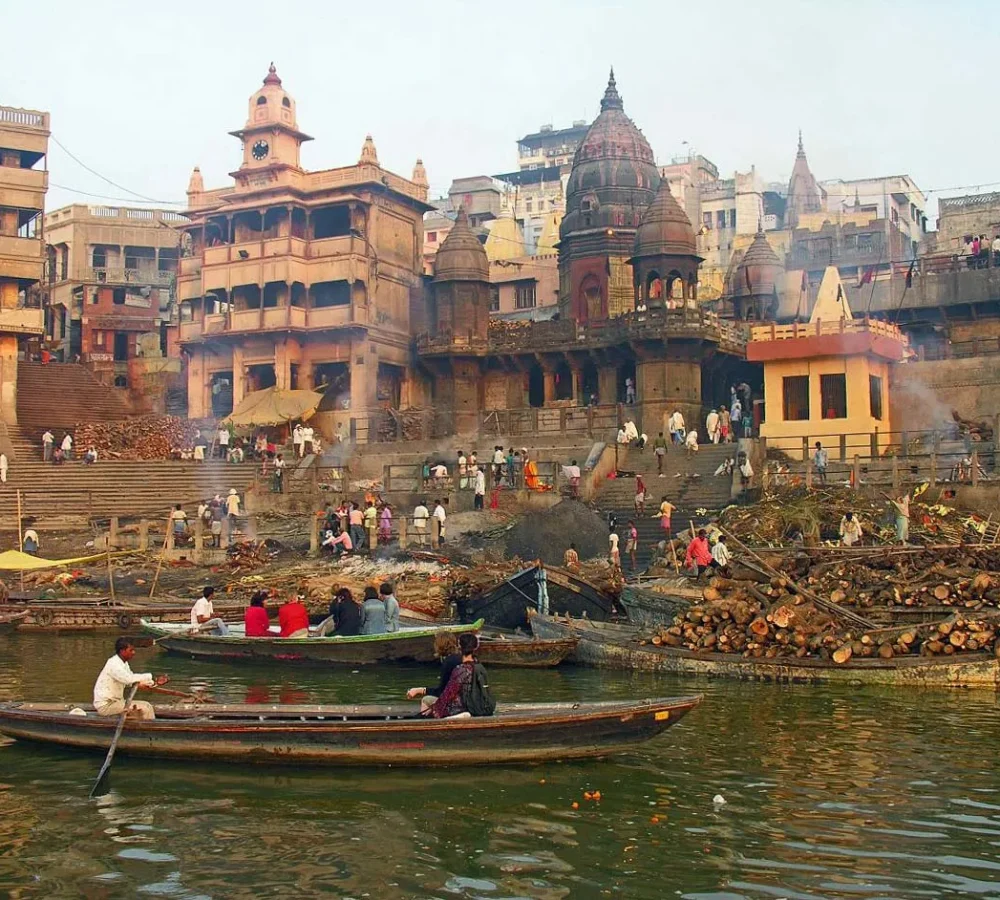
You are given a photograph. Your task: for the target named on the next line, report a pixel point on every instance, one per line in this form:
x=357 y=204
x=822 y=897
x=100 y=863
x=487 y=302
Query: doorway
x=121 y=346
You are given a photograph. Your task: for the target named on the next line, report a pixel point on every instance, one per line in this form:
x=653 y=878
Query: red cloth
x=255 y=621
x=292 y=617
x=699 y=551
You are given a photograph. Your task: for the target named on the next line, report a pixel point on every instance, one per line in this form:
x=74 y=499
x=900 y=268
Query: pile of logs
x=144 y=437
x=769 y=622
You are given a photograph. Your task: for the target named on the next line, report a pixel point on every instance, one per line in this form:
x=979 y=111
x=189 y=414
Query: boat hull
x=63 y=616
x=356 y=736
x=615 y=647
x=525 y=653
x=407 y=645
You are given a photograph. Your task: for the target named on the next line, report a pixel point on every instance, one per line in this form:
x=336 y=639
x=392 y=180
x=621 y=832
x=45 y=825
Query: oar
x=114 y=743
x=197 y=698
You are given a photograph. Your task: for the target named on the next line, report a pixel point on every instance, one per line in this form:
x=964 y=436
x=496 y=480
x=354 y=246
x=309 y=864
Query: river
x=830 y=792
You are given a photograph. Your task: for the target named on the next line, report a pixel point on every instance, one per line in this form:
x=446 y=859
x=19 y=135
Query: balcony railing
x=24 y=118
x=26 y=248
x=22 y=320
x=142 y=276
x=271 y=318
x=25 y=179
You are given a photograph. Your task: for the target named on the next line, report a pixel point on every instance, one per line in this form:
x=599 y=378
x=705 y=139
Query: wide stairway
x=69 y=495
x=59 y=396
x=690 y=483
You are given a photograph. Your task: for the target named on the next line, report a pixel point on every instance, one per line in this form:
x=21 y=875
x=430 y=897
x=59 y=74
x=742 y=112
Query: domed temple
x=628 y=304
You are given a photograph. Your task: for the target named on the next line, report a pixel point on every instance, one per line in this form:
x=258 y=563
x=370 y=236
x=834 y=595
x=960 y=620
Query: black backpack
x=476 y=697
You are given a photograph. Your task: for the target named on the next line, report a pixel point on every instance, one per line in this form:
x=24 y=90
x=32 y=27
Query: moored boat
x=405 y=645
x=610 y=646
x=101 y=614
x=10 y=620
x=524 y=652
x=656 y=602
x=397 y=735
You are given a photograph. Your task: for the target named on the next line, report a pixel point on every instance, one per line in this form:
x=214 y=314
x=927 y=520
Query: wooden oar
x=193 y=630
x=197 y=698
x=114 y=742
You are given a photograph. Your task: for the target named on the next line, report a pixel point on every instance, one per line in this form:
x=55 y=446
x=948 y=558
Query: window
x=527 y=205
x=875 y=396
x=262 y=101
x=706 y=219
x=98 y=338
x=524 y=295
x=795 y=398
x=732 y=218
x=494 y=298
x=866 y=243
x=432 y=237
x=118 y=297
x=720 y=218
x=285 y=102
x=833 y=394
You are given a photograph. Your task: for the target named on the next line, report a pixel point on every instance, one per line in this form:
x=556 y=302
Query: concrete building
x=828 y=377
x=24 y=147
x=550 y=147
x=960 y=219
x=111 y=276
x=525 y=288
x=301 y=279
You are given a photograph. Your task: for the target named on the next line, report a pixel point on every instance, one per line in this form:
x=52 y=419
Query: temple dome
x=461 y=257
x=759 y=270
x=614 y=175
x=665 y=229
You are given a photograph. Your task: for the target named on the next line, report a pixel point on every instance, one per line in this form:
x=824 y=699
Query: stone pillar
x=607 y=385
x=282 y=369
x=144 y=535
x=364 y=370
x=314 y=536
x=578 y=397
x=239 y=376
x=199 y=535
x=668 y=385
x=549 y=378
x=113 y=533
x=8 y=377
x=466 y=384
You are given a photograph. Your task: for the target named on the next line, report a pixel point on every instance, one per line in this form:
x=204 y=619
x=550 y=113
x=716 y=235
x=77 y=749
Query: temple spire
x=611 y=100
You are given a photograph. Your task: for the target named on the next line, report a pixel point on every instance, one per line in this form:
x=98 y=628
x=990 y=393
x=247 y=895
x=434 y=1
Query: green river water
x=831 y=792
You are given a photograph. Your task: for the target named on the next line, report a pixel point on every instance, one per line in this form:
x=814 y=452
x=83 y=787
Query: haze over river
x=831 y=792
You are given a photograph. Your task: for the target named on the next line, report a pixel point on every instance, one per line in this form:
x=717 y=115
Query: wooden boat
x=397 y=735
x=103 y=614
x=610 y=646
x=657 y=602
x=542 y=588
x=405 y=645
x=10 y=620
x=524 y=652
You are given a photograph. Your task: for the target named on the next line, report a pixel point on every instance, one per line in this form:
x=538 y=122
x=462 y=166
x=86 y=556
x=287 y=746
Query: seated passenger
x=467 y=692
x=255 y=620
x=293 y=618
x=373 y=613
x=346 y=616
x=445 y=649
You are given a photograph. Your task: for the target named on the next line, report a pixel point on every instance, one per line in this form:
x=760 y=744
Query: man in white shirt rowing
x=116 y=677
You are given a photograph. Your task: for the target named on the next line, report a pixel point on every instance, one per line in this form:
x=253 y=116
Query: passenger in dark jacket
x=446 y=649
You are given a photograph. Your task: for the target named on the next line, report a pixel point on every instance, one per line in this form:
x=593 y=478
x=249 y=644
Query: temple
x=628 y=303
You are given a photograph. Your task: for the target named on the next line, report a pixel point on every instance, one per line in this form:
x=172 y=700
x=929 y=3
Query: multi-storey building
x=960 y=219
x=24 y=144
x=111 y=275
x=300 y=279
x=550 y=147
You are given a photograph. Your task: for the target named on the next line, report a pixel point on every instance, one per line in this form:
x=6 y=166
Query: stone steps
x=61 y=395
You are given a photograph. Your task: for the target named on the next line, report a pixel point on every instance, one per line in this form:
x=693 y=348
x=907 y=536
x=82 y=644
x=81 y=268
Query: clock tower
x=271 y=138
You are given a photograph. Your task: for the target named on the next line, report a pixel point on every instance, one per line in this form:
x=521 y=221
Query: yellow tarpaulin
x=16 y=561
x=274 y=407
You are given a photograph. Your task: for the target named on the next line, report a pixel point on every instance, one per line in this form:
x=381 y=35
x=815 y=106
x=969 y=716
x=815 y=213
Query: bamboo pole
x=159 y=565
x=20 y=533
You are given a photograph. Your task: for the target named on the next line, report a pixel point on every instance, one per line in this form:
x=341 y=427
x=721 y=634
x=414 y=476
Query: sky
x=140 y=92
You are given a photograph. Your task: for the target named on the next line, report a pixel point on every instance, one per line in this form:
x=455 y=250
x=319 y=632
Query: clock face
x=259 y=150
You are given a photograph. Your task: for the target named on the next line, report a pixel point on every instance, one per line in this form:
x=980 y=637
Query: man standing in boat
x=387 y=594
x=115 y=677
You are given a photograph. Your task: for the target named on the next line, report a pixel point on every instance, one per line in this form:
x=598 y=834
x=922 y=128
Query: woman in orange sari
x=530 y=473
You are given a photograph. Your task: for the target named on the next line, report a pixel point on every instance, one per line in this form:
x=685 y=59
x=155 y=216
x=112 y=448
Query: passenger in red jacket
x=255 y=620
x=293 y=618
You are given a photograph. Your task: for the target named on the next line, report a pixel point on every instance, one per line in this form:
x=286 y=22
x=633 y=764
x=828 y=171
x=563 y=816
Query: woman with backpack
x=467 y=693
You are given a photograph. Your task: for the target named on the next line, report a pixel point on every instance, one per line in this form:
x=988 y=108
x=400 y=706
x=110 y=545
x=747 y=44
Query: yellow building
x=300 y=279
x=829 y=377
x=24 y=147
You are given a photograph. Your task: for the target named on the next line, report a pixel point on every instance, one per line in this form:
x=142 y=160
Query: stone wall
x=923 y=394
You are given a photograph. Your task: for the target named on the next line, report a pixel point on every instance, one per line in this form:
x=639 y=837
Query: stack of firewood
x=769 y=622
x=143 y=437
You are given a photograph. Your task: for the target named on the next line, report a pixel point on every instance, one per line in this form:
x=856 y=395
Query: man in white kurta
x=115 y=678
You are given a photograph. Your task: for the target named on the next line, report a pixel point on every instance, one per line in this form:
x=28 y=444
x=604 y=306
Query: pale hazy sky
x=142 y=92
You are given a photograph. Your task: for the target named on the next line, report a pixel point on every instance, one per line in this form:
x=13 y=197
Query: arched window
x=262 y=101
x=654 y=287
x=286 y=102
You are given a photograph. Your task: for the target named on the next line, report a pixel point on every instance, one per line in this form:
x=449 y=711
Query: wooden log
x=885 y=651
x=842 y=654
x=942 y=592
x=958 y=638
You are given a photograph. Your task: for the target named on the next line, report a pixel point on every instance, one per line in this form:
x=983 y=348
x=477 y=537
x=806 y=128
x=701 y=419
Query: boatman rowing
x=117 y=674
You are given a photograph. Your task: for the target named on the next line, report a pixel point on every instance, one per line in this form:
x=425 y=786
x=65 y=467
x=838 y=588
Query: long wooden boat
x=10 y=620
x=396 y=735
x=524 y=652
x=657 y=602
x=541 y=588
x=103 y=614
x=610 y=646
x=405 y=645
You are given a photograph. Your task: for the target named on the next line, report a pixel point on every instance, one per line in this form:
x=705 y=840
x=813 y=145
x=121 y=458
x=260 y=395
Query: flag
x=867 y=277
x=909 y=275
x=840 y=293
